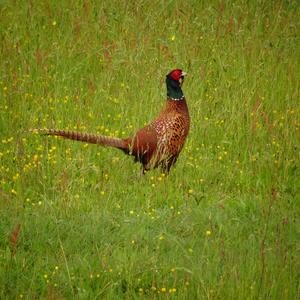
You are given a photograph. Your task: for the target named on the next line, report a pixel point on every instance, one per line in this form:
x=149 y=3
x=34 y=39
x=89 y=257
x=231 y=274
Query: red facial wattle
x=176 y=74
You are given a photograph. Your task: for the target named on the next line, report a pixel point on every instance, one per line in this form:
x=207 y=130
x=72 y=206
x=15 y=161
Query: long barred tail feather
x=102 y=140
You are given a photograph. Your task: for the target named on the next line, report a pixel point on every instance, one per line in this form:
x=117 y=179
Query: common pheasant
x=157 y=144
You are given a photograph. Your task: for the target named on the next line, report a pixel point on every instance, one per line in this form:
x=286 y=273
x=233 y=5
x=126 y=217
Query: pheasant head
x=174 y=82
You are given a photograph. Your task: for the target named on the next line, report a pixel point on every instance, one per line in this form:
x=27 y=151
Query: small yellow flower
x=54 y=23
x=190 y=191
x=161 y=238
x=15 y=177
x=163 y=290
x=208 y=232
x=13 y=191
x=173 y=37
x=102 y=193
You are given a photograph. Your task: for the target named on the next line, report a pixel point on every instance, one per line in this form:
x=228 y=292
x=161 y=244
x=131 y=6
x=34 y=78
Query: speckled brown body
x=160 y=142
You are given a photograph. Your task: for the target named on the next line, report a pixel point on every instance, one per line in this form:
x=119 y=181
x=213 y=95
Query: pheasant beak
x=181 y=80
x=183 y=74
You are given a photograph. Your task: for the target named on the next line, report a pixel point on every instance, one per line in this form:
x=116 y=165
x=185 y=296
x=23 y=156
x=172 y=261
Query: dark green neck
x=174 y=90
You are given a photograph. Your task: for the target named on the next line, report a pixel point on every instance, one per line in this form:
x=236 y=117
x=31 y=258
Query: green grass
x=79 y=222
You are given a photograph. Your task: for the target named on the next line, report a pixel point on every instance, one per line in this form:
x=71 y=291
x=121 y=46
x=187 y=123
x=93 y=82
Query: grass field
x=78 y=221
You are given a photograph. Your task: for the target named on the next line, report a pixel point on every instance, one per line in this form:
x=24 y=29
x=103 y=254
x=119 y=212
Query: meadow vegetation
x=78 y=221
